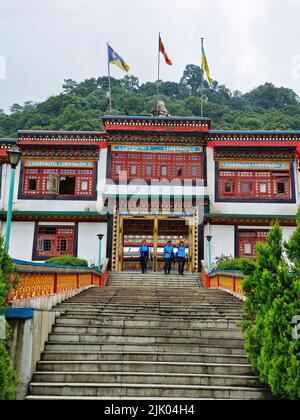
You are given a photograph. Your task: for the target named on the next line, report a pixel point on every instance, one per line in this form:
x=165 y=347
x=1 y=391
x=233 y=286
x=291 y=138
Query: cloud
x=247 y=42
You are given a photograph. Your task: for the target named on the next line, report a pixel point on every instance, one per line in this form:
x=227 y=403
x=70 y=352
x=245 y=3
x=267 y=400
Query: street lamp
x=100 y=237
x=14 y=156
x=209 y=238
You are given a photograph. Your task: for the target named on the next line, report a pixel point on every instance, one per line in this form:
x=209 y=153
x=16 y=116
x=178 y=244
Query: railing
x=37 y=279
x=229 y=280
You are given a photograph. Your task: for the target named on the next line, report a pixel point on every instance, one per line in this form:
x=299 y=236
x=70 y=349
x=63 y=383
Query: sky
x=43 y=42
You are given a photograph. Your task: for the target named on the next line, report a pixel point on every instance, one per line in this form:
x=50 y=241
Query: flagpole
x=109 y=81
x=158 y=70
x=202 y=79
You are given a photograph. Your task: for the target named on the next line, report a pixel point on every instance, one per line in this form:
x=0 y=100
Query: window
x=156 y=165
x=40 y=182
x=245 y=188
x=53 y=241
x=263 y=188
x=84 y=186
x=281 y=188
x=133 y=170
x=32 y=184
x=46 y=245
x=247 y=249
x=228 y=187
x=254 y=185
x=67 y=185
x=247 y=240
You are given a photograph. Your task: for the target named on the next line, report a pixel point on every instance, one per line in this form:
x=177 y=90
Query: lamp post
x=14 y=155
x=100 y=237
x=209 y=238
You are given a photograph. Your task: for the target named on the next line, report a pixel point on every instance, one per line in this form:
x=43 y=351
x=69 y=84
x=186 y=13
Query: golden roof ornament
x=160 y=109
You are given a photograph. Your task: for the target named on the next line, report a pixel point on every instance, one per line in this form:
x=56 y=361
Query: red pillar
x=234 y=284
x=55 y=283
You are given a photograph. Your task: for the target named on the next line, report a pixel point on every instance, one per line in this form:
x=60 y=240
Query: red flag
x=163 y=51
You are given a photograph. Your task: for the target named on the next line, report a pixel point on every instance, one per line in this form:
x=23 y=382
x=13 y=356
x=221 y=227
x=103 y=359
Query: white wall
x=22 y=236
x=88 y=241
x=222 y=241
x=21 y=240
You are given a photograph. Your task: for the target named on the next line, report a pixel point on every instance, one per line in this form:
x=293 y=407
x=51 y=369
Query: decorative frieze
x=42 y=151
x=156 y=138
x=254 y=154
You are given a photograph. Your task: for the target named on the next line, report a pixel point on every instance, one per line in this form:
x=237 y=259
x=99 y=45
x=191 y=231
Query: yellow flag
x=205 y=66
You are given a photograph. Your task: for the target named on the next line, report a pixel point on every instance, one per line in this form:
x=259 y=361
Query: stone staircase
x=147 y=337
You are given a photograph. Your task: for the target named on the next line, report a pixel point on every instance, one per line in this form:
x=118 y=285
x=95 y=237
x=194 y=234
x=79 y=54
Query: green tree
x=69 y=86
x=269 y=96
x=192 y=78
x=8 y=380
x=266 y=107
x=273 y=299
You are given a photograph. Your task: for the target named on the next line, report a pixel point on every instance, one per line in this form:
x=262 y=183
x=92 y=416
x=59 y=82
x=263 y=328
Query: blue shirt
x=181 y=251
x=144 y=250
x=168 y=250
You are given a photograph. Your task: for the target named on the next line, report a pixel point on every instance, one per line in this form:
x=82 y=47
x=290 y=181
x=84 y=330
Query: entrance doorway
x=157 y=231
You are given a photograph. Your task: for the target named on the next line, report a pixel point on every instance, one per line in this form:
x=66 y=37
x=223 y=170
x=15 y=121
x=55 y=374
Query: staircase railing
x=227 y=280
x=38 y=279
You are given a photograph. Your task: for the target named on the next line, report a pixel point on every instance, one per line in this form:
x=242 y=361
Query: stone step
x=145 y=366
x=110 y=338
x=164 y=280
x=151 y=357
x=149 y=332
x=154 y=317
x=146 y=390
x=147 y=378
x=140 y=307
x=150 y=274
x=138 y=323
x=128 y=309
x=142 y=297
x=145 y=310
x=149 y=337
x=59 y=398
x=159 y=313
x=138 y=347
x=156 y=304
x=149 y=286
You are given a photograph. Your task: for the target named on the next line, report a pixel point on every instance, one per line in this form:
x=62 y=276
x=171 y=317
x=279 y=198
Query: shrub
x=8 y=279
x=68 y=261
x=8 y=380
x=273 y=299
x=241 y=264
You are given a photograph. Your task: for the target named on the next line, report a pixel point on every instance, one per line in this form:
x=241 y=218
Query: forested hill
x=80 y=105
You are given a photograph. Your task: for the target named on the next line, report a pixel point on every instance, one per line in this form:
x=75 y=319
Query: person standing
x=181 y=257
x=168 y=255
x=144 y=256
